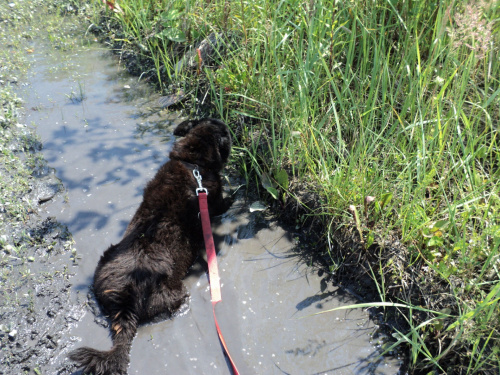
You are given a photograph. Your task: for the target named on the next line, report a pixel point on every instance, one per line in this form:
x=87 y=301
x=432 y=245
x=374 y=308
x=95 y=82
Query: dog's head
x=206 y=142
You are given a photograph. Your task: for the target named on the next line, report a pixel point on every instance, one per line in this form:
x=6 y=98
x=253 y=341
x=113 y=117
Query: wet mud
x=34 y=311
x=35 y=251
x=105 y=134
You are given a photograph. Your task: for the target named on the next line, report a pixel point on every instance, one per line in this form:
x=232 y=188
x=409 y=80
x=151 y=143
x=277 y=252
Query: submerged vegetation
x=376 y=120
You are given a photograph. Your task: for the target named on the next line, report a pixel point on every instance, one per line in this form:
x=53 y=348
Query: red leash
x=213 y=270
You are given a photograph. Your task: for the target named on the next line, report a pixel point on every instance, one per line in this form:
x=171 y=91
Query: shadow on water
x=104 y=149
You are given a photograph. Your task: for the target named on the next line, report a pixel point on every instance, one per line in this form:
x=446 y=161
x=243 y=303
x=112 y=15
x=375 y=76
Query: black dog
x=140 y=278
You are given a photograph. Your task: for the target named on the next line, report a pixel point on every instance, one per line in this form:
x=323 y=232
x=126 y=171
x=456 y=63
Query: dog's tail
x=114 y=361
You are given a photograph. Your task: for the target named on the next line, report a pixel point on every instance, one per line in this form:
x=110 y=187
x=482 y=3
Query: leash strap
x=213 y=270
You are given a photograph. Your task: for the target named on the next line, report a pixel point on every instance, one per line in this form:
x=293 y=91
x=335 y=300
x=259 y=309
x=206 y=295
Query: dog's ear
x=185 y=127
x=225 y=144
x=223 y=135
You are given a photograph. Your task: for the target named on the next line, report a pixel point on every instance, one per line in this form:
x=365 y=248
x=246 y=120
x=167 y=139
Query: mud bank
x=35 y=253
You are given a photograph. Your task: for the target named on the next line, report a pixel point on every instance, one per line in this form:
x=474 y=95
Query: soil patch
x=35 y=258
x=36 y=251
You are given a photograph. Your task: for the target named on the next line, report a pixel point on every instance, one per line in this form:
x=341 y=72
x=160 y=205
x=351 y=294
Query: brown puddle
x=91 y=116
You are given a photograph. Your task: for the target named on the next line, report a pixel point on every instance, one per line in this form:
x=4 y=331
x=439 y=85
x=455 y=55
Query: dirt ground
x=36 y=252
x=35 y=258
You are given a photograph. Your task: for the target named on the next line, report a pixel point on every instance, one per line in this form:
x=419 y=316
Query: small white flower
x=439 y=80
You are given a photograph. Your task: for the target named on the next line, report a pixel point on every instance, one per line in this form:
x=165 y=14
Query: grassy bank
x=379 y=121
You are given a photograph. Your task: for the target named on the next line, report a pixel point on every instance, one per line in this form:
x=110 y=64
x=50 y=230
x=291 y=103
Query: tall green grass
x=390 y=111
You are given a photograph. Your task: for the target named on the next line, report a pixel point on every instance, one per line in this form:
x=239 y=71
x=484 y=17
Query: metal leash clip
x=197 y=175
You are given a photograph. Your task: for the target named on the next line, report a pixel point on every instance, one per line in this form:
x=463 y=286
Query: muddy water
x=91 y=117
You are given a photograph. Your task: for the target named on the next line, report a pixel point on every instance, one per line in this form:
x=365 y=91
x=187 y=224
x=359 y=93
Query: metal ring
x=201 y=189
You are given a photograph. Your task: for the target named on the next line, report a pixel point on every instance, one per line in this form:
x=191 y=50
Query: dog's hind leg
x=165 y=300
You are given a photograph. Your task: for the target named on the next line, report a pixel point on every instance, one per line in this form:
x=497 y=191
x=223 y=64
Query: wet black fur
x=140 y=278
